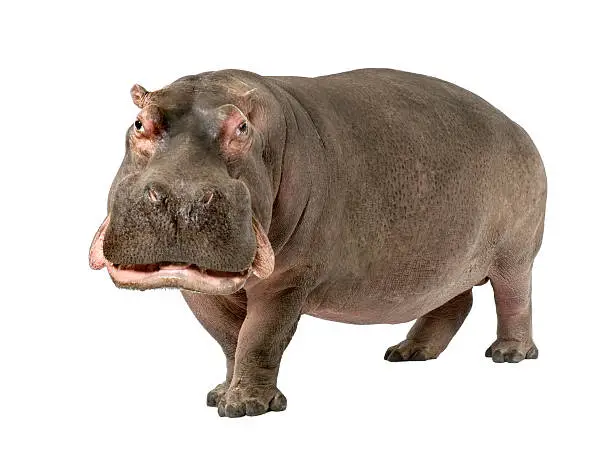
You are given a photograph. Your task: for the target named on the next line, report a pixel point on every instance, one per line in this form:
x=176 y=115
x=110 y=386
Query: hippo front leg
x=267 y=330
x=222 y=317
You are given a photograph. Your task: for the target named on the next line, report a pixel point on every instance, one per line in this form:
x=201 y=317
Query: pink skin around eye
x=148 y=127
x=143 y=141
x=152 y=122
x=234 y=140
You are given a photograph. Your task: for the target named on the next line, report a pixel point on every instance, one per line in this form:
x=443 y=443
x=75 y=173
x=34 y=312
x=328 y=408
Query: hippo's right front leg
x=222 y=317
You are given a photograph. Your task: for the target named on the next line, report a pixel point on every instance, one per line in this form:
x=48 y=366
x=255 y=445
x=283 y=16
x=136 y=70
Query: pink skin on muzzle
x=181 y=275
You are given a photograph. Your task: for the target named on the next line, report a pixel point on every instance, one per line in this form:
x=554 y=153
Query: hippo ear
x=138 y=95
x=235 y=130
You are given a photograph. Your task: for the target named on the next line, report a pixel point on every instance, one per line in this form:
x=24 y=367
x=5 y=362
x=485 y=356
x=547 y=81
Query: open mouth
x=182 y=275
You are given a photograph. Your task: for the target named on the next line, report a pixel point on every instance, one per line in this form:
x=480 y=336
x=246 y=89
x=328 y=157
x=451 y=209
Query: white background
x=87 y=370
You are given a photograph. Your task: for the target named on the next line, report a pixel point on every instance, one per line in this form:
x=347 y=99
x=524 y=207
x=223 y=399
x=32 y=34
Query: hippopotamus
x=370 y=196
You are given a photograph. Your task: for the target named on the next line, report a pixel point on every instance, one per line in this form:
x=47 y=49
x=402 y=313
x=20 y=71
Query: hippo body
x=371 y=196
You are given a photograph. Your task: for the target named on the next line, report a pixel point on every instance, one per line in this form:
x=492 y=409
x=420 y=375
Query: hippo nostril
x=153 y=196
x=208 y=197
x=154 y=193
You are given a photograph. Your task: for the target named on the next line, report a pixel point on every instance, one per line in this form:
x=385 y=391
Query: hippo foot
x=214 y=395
x=409 y=350
x=251 y=400
x=511 y=351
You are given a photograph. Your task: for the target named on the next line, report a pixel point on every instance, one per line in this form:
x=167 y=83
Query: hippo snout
x=197 y=235
x=202 y=223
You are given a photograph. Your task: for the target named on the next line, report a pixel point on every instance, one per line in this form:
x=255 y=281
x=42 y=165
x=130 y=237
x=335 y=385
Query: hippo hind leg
x=432 y=333
x=512 y=291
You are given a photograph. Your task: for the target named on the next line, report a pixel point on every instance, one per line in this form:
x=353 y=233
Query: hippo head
x=186 y=207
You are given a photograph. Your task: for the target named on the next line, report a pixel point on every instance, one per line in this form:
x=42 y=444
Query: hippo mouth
x=181 y=275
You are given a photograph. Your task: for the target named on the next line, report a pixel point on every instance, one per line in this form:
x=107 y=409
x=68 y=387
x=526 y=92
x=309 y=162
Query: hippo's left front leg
x=267 y=330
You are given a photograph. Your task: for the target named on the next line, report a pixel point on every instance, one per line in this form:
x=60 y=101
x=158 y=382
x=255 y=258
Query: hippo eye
x=243 y=128
x=139 y=126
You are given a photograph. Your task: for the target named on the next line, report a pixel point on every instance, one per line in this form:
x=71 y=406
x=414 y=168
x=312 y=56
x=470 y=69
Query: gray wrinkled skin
x=386 y=196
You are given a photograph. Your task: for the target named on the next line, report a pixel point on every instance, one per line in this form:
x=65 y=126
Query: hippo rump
x=371 y=196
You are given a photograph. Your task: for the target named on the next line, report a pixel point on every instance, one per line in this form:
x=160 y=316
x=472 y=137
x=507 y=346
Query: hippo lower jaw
x=180 y=275
x=187 y=277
